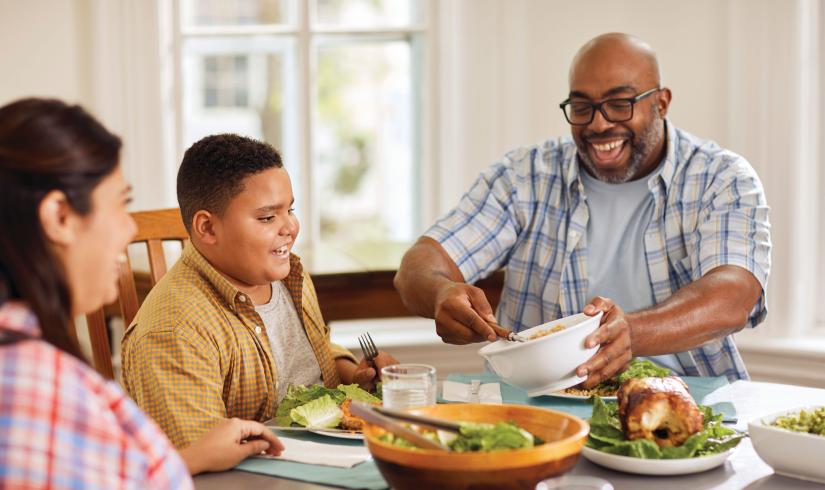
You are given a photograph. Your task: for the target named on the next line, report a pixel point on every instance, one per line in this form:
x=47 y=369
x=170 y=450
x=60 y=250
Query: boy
x=236 y=320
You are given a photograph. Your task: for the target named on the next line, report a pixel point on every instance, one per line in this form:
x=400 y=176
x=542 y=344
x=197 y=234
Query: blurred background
x=385 y=111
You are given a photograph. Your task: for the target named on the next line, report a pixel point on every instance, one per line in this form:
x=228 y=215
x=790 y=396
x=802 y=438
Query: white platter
x=339 y=435
x=658 y=467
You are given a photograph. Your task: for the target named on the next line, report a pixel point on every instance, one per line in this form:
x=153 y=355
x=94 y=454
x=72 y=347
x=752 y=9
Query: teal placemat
x=364 y=475
x=699 y=387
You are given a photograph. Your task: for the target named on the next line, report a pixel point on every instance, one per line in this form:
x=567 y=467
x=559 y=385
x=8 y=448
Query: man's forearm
x=710 y=308
x=425 y=268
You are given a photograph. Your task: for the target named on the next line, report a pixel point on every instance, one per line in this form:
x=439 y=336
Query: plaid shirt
x=529 y=214
x=64 y=426
x=197 y=351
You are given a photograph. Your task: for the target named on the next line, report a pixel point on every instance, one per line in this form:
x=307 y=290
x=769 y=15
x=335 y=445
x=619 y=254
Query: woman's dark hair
x=45 y=145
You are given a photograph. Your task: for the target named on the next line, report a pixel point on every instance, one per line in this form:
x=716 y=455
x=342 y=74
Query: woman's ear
x=57 y=218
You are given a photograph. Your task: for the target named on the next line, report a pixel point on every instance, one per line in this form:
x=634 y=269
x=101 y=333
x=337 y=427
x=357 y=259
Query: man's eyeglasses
x=580 y=113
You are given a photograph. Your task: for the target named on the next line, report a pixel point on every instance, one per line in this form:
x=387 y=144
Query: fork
x=368 y=348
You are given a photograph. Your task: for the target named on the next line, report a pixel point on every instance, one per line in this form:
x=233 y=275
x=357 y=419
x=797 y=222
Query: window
x=335 y=85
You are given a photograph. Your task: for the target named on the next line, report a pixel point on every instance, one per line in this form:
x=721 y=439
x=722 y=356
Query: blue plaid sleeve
x=734 y=228
x=480 y=231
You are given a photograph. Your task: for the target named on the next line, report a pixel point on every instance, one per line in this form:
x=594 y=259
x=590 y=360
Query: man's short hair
x=213 y=170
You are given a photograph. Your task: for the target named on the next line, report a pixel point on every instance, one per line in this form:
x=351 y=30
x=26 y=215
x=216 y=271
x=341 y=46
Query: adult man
x=236 y=319
x=668 y=234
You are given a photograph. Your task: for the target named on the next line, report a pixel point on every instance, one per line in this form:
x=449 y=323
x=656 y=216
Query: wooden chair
x=154 y=228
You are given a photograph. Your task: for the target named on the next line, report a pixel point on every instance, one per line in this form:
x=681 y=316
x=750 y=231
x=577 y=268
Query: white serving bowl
x=548 y=363
x=789 y=453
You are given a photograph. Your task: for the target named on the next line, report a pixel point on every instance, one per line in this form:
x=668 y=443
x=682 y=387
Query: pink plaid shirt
x=64 y=426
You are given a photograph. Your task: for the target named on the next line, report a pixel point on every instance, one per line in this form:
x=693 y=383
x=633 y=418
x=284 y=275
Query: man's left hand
x=613 y=335
x=367 y=374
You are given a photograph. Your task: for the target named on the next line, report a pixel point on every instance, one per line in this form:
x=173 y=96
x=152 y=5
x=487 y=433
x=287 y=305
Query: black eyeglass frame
x=599 y=106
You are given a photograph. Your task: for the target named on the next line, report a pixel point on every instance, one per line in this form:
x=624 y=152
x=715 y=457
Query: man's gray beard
x=641 y=149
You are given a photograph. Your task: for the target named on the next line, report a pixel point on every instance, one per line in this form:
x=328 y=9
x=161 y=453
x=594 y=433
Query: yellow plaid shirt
x=197 y=351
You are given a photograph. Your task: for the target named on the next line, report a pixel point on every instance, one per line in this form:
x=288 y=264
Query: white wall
x=106 y=56
x=504 y=71
x=44 y=51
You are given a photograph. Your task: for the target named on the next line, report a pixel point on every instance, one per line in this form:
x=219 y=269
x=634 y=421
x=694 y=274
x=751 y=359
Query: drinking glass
x=408 y=385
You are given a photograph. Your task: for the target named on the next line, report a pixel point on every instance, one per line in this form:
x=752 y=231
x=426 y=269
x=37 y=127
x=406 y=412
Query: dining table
x=744 y=469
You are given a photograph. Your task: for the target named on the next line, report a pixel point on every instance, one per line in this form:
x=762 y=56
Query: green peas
x=811 y=422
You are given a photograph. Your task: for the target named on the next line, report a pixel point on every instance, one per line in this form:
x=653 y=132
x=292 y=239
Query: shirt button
x=242 y=298
x=573 y=235
x=257 y=329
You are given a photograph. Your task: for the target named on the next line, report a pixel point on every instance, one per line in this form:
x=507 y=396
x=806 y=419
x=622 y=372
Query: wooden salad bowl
x=509 y=469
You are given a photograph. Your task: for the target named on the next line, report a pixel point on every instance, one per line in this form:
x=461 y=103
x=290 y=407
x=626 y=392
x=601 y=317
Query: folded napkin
x=472 y=392
x=339 y=456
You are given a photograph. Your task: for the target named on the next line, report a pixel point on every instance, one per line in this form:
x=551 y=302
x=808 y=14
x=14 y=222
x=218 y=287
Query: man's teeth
x=282 y=250
x=607 y=146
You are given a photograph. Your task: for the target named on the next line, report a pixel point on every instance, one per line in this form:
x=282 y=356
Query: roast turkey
x=658 y=409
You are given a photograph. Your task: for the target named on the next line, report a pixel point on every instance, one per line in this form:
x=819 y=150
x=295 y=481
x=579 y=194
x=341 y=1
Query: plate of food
x=322 y=410
x=656 y=428
x=607 y=390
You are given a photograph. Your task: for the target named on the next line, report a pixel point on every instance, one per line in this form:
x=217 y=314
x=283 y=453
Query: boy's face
x=256 y=232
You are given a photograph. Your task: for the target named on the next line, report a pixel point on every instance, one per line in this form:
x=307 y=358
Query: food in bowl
x=404 y=468
x=544 y=333
x=789 y=452
x=548 y=363
x=638 y=368
x=474 y=437
x=808 y=422
x=659 y=424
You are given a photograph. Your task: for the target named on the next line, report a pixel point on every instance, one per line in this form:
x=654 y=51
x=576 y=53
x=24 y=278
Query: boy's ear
x=57 y=218
x=203 y=227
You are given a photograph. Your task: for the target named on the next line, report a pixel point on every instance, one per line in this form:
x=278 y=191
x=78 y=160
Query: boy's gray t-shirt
x=616 y=264
x=295 y=360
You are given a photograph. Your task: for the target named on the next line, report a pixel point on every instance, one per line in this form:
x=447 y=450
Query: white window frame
x=304 y=34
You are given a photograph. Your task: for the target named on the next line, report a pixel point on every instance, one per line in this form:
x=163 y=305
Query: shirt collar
x=16 y=316
x=229 y=293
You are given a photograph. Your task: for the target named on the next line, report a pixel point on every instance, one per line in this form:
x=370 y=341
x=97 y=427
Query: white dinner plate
x=561 y=394
x=340 y=435
x=659 y=467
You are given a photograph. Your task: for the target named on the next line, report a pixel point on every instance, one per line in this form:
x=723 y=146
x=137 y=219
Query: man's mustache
x=608 y=135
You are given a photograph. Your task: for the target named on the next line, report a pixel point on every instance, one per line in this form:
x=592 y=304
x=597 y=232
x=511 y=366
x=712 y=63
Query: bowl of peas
x=792 y=442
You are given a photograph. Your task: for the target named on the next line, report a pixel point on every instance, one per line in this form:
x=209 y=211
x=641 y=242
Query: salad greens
x=643 y=369
x=320 y=412
x=638 y=369
x=474 y=437
x=811 y=422
x=317 y=405
x=606 y=435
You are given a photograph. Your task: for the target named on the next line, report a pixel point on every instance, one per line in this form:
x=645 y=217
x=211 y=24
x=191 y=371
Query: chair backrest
x=154 y=228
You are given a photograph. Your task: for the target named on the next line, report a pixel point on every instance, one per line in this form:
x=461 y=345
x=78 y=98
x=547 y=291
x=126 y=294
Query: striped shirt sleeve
x=734 y=228
x=480 y=231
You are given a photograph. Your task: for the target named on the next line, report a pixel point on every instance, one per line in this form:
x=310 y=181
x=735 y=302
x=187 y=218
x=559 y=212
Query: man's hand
x=613 y=335
x=228 y=443
x=462 y=313
x=366 y=375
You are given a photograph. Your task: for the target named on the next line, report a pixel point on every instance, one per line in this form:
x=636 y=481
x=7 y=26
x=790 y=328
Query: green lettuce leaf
x=321 y=412
x=643 y=369
x=297 y=395
x=606 y=435
x=489 y=437
x=355 y=392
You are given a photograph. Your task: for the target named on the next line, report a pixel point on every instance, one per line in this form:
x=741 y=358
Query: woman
x=63 y=228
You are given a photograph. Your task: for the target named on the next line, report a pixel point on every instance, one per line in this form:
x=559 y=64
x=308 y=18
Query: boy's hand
x=367 y=374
